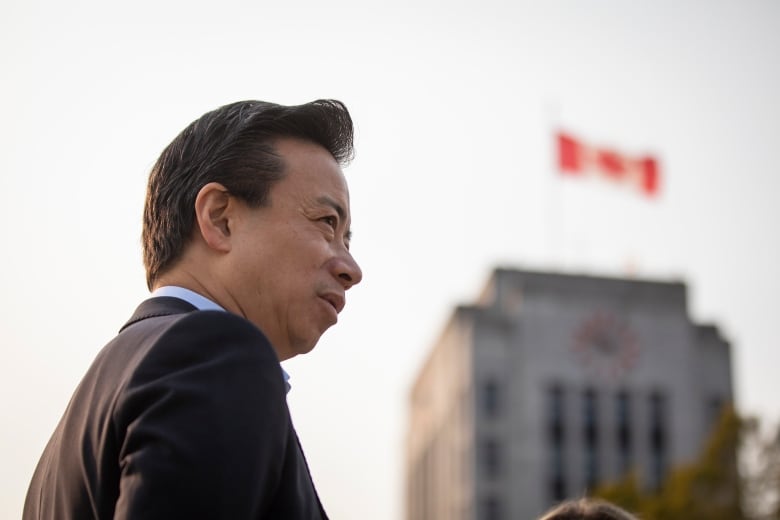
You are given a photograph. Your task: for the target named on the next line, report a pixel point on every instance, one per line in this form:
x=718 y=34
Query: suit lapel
x=159 y=306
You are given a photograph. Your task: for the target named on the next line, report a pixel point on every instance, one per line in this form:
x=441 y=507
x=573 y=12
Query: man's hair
x=587 y=509
x=234 y=146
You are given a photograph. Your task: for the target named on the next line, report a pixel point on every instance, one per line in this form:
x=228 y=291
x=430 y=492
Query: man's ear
x=213 y=207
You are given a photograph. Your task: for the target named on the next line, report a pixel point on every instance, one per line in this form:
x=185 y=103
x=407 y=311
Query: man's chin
x=304 y=346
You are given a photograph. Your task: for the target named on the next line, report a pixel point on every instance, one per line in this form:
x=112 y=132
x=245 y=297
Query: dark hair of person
x=232 y=145
x=587 y=509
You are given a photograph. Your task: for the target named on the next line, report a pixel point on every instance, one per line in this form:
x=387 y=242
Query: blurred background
x=456 y=106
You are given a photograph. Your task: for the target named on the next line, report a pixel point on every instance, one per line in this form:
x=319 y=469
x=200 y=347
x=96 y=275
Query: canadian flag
x=578 y=158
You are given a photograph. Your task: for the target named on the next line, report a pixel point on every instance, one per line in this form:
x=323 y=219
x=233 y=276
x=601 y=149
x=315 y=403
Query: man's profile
x=183 y=414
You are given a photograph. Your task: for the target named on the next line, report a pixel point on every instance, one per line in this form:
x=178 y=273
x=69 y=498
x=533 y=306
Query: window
x=491 y=457
x=714 y=410
x=558 y=488
x=658 y=438
x=590 y=433
x=556 y=438
x=555 y=415
x=623 y=433
x=491 y=398
x=491 y=508
x=590 y=417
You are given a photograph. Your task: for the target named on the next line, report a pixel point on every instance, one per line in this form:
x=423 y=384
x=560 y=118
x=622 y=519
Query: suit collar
x=159 y=306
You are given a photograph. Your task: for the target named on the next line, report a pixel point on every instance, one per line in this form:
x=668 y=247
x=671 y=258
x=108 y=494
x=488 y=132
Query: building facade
x=553 y=383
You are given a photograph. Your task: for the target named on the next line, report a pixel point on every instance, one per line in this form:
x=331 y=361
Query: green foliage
x=625 y=493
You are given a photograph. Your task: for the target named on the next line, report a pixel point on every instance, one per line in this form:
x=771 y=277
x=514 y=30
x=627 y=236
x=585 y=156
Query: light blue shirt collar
x=202 y=304
x=196 y=300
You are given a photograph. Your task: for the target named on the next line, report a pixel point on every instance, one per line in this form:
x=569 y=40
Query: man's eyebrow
x=337 y=207
x=333 y=204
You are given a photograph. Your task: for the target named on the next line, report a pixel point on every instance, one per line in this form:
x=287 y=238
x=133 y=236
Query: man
x=246 y=246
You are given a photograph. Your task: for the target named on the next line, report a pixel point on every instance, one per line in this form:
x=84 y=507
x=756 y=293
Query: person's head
x=587 y=509
x=249 y=206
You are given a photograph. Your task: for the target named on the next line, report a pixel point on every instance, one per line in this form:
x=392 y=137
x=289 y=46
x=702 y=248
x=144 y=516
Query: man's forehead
x=296 y=147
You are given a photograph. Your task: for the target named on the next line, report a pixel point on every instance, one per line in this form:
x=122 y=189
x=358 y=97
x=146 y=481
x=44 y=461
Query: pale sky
x=455 y=105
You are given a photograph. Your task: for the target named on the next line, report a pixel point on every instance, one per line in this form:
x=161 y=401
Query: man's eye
x=330 y=220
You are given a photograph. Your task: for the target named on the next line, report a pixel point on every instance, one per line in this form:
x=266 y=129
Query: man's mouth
x=336 y=301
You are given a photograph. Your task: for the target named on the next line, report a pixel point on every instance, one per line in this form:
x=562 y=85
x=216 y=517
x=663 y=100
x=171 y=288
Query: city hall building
x=553 y=383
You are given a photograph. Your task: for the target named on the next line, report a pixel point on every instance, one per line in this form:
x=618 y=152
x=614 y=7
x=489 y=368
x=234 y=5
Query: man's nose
x=348 y=271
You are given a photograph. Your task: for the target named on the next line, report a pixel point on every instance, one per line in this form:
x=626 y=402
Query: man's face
x=290 y=263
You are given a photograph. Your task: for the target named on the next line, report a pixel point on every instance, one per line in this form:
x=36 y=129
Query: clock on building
x=605 y=345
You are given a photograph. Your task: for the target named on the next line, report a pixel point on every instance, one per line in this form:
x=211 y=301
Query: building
x=552 y=383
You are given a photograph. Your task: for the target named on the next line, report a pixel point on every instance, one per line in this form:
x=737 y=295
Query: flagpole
x=555 y=210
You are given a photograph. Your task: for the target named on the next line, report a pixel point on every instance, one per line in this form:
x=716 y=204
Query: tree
x=761 y=473
x=710 y=488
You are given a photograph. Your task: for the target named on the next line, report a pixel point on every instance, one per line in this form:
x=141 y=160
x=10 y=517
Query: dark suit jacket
x=182 y=415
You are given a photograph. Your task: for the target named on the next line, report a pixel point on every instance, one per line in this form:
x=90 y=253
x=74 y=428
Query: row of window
x=591 y=431
x=576 y=413
x=594 y=439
